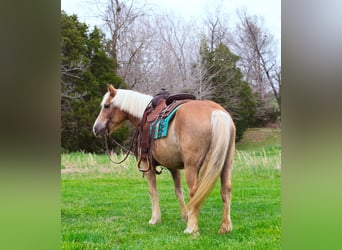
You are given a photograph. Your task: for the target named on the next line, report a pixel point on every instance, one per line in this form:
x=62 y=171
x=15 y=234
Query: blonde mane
x=131 y=101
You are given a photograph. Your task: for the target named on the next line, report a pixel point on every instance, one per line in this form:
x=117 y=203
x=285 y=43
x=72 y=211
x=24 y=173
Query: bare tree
x=69 y=73
x=148 y=49
x=121 y=16
x=216 y=25
x=200 y=83
x=173 y=41
x=256 y=49
x=211 y=33
x=163 y=61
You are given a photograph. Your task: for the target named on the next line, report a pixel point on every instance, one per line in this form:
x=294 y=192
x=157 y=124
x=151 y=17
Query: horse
x=200 y=140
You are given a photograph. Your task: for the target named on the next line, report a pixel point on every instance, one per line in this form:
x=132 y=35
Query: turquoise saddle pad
x=161 y=127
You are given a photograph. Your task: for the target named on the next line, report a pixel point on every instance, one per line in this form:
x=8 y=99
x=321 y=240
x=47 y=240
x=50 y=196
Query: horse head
x=110 y=117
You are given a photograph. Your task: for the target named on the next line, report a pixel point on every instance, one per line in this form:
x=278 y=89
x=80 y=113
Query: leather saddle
x=159 y=108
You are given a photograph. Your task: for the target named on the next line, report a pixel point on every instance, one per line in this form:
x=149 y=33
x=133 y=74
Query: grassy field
x=107 y=206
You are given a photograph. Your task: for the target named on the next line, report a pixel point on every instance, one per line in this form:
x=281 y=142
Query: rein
x=129 y=151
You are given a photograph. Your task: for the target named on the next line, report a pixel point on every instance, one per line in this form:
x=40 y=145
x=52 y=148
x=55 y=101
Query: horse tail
x=215 y=158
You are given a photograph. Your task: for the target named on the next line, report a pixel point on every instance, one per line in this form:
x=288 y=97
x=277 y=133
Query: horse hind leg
x=192 y=225
x=192 y=214
x=226 y=225
x=226 y=193
x=179 y=192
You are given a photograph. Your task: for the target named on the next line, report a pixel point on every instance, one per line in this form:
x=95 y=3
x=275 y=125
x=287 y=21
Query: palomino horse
x=201 y=140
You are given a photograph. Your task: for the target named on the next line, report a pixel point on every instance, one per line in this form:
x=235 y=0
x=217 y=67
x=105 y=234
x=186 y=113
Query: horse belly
x=166 y=150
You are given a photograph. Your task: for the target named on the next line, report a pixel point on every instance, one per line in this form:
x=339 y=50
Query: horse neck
x=133 y=120
x=132 y=103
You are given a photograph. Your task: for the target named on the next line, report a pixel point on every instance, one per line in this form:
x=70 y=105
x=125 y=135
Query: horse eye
x=106 y=106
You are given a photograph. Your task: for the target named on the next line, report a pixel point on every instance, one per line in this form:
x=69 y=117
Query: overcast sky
x=270 y=10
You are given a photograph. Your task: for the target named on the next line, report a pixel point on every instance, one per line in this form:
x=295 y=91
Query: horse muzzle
x=99 y=129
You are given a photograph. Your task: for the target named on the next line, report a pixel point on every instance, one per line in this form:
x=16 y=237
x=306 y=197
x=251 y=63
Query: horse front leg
x=179 y=192
x=152 y=187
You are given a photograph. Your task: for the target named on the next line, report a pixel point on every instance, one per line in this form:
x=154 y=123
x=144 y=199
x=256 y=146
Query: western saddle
x=161 y=106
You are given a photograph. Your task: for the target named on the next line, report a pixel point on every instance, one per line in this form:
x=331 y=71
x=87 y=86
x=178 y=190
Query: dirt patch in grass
x=259 y=135
x=254 y=138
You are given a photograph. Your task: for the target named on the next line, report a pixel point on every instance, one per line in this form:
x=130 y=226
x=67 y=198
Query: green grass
x=107 y=206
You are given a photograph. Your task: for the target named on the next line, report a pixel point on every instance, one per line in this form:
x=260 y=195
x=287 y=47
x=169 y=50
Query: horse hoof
x=153 y=221
x=225 y=229
x=194 y=234
x=190 y=231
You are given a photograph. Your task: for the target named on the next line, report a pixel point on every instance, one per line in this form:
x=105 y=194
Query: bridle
x=107 y=134
x=128 y=151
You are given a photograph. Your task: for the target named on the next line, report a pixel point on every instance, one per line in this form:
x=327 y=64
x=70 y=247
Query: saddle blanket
x=160 y=128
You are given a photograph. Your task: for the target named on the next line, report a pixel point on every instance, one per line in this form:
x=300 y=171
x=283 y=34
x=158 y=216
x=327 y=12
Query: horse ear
x=111 y=90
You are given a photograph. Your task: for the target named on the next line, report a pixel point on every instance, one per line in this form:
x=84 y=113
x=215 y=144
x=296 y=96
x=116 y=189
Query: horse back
x=189 y=134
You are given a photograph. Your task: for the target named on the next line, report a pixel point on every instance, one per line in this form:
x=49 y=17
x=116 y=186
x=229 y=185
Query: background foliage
x=90 y=60
x=86 y=70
